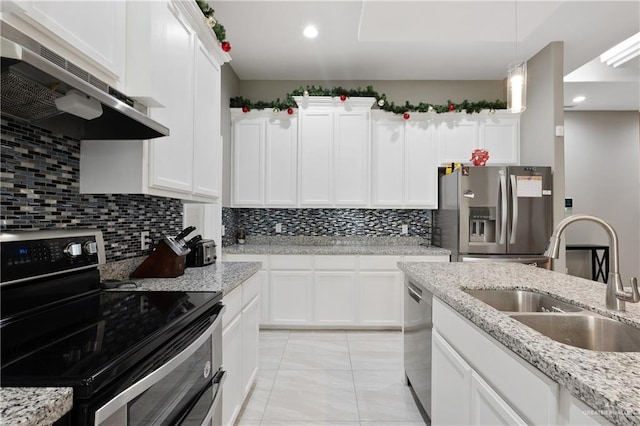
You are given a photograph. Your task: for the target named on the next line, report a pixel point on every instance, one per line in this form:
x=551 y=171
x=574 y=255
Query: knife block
x=163 y=262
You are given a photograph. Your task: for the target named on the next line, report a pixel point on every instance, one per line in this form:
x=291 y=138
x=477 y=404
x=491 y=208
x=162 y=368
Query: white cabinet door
x=501 y=137
x=281 y=162
x=291 y=293
x=171 y=157
x=488 y=408
x=421 y=166
x=351 y=158
x=457 y=140
x=91 y=36
x=232 y=364
x=207 y=143
x=316 y=159
x=248 y=162
x=334 y=298
x=387 y=162
x=450 y=385
x=380 y=298
x=250 y=338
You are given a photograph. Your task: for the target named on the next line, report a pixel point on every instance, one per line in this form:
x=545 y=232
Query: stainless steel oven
x=186 y=389
x=132 y=357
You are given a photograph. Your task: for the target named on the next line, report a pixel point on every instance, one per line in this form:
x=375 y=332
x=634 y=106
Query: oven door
x=185 y=389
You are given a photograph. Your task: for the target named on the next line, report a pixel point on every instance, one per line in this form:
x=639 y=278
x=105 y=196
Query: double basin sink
x=561 y=321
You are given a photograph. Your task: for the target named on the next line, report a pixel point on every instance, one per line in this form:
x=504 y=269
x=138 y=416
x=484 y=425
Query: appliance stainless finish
x=33 y=77
x=132 y=357
x=203 y=253
x=418 y=325
x=496 y=211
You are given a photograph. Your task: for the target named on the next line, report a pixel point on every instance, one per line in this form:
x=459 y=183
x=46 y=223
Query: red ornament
x=245 y=109
x=452 y=107
x=226 y=46
x=343 y=98
x=479 y=157
x=290 y=111
x=406 y=115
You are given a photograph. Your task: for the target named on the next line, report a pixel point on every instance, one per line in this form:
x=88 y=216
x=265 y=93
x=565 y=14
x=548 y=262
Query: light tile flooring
x=330 y=378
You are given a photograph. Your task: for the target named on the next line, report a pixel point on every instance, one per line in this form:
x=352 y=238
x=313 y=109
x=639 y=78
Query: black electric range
x=60 y=328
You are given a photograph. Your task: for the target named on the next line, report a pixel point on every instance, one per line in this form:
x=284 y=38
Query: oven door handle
x=127 y=395
x=214 y=387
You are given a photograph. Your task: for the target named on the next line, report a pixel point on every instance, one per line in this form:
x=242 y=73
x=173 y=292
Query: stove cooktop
x=87 y=340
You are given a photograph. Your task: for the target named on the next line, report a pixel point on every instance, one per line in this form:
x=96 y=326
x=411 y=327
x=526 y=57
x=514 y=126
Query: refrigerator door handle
x=503 y=208
x=514 y=209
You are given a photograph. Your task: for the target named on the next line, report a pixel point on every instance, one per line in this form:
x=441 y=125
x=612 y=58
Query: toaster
x=202 y=254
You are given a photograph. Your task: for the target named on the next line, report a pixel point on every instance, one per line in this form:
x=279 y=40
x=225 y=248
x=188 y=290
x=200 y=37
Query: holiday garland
x=381 y=100
x=216 y=26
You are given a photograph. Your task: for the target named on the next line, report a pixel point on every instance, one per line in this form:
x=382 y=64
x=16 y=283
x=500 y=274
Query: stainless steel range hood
x=34 y=77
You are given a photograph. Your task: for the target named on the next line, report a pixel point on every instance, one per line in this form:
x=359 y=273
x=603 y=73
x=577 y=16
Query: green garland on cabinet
x=381 y=100
x=216 y=26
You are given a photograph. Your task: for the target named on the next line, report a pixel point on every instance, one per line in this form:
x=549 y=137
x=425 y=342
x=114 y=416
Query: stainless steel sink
x=591 y=332
x=521 y=301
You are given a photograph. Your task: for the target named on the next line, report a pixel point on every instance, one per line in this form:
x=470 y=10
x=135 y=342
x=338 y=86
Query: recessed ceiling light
x=310 y=31
x=579 y=99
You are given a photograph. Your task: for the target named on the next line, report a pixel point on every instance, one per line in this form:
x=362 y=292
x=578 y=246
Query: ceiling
x=434 y=40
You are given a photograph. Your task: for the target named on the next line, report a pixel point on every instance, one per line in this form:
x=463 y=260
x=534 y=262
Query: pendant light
x=517 y=78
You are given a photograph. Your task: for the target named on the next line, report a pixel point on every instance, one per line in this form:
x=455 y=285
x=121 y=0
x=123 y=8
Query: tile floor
x=330 y=378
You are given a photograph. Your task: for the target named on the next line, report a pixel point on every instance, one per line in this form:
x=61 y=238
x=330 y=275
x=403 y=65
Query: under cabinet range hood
x=44 y=89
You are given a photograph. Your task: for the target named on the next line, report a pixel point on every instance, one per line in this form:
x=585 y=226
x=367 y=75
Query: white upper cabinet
x=334 y=151
x=404 y=162
x=91 y=35
x=173 y=66
x=264 y=152
x=497 y=132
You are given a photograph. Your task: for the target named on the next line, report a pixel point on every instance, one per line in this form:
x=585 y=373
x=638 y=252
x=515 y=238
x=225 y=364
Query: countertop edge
x=34 y=406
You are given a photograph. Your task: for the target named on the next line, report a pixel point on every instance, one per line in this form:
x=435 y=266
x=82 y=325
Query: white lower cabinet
x=239 y=345
x=319 y=291
x=290 y=294
x=476 y=380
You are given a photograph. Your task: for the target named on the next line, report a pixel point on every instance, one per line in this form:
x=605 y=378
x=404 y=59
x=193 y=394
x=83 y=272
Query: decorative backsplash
x=41 y=189
x=325 y=222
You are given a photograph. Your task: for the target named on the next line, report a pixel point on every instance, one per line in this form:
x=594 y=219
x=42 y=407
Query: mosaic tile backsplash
x=325 y=222
x=40 y=189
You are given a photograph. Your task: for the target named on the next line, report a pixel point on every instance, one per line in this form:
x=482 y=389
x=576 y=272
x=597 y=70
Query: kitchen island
x=607 y=382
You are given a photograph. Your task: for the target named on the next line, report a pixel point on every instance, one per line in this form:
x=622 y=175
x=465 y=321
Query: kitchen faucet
x=615 y=295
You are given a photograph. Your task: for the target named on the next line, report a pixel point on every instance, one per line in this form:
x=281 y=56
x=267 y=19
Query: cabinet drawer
x=335 y=263
x=247 y=258
x=250 y=289
x=233 y=302
x=291 y=263
x=379 y=263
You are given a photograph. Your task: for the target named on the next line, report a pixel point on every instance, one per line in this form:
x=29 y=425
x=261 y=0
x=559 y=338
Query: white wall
x=602 y=163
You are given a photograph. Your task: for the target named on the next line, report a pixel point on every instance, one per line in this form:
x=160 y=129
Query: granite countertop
x=223 y=276
x=34 y=406
x=609 y=382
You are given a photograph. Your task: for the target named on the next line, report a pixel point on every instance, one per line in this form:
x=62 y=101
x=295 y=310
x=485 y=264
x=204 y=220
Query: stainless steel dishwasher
x=417 y=342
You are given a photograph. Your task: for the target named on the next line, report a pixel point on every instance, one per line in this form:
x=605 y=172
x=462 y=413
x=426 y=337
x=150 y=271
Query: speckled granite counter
x=34 y=406
x=339 y=249
x=223 y=276
x=609 y=382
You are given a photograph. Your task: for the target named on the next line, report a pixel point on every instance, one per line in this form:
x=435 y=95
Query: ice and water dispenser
x=482 y=224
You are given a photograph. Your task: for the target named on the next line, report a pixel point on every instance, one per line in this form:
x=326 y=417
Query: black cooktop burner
x=87 y=340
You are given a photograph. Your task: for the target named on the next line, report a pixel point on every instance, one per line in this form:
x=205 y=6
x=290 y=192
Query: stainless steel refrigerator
x=496 y=213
